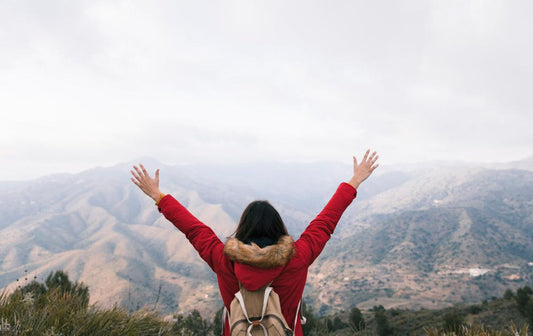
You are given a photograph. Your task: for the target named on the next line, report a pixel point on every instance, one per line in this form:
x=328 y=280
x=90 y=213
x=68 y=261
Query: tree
x=311 y=320
x=522 y=297
x=356 y=319
x=195 y=323
x=528 y=311
x=378 y=308
x=382 y=323
x=338 y=323
x=192 y=324
x=453 y=321
x=475 y=309
x=216 y=326
x=508 y=294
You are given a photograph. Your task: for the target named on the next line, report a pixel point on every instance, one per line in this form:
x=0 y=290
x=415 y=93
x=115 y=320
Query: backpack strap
x=303 y=320
x=225 y=316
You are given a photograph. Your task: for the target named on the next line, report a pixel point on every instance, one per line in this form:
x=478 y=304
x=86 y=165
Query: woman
x=261 y=251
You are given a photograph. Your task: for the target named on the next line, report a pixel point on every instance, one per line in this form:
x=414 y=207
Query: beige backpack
x=257 y=313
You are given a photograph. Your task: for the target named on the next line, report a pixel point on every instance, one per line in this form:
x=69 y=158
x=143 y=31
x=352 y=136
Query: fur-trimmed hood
x=267 y=257
x=255 y=267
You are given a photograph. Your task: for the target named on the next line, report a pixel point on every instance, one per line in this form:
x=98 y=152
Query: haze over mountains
x=415 y=236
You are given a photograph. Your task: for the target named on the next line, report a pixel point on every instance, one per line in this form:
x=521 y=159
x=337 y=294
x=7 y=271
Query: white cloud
x=85 y=83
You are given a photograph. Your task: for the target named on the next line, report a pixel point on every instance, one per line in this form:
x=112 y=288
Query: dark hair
x=260 y=220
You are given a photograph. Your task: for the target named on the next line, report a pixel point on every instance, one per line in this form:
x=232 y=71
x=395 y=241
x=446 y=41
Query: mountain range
x=416 y=236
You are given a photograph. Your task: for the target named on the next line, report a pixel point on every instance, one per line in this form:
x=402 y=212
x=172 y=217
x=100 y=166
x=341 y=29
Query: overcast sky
x=91 y=83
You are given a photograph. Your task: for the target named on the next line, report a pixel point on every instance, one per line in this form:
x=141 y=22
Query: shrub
x=522 y=297
x=508 y=294
x=356 y=319
x=528 y=312
x=382 y=323
x=311 y=320
x=453 y=321
x=475 y=309
x=192 y=324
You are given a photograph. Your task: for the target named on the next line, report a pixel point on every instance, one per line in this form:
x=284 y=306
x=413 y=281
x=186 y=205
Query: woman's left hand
x=149 y=185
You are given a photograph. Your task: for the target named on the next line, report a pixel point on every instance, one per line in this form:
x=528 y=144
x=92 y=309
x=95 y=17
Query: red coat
x=289 y=280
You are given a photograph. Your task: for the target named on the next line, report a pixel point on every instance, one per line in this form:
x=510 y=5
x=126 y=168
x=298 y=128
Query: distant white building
x=475 y=272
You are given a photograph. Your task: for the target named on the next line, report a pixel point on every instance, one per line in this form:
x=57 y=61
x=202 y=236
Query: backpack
x=257 y=313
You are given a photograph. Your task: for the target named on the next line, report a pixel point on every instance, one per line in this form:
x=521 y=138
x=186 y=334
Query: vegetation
x=382 y=323
x=481 y=331
x=453 y=322
x=357 y=322
x=497 y=317
x=59 y=307
x=524 y=301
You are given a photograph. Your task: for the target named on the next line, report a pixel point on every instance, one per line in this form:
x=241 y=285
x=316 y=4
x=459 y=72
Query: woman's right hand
x=363 y=170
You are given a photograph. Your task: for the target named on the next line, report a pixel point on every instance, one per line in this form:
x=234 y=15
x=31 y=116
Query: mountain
x=425 y=235
x=451 y=235
x=103 y=231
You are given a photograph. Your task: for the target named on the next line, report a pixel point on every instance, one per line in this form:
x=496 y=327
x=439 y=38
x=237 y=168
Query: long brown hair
x=260 y=220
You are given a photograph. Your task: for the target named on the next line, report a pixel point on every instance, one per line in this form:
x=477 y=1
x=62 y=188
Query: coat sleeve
x=316 y=235
x=201 y=236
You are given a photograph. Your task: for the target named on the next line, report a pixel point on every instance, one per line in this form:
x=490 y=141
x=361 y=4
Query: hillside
x=449 y=236
x=412 y=238
x=495 y=316
x=103 y=231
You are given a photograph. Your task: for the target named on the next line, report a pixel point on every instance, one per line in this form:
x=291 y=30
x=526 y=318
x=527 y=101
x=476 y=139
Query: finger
x=355 y=161
x=136 y=176
x=136 y=183
x=366 y=155
x=157 y=174
x=137 y=170
x=144 y=170
x=374 y=159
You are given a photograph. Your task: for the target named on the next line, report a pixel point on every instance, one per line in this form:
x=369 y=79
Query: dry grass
x=61 y=314
x=480 y=331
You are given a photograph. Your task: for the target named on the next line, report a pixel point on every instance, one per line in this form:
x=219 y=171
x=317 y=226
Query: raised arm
x=202 y=237
x=318 y=232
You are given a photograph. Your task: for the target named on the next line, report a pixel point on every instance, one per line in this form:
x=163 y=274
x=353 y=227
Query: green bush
x=508 y=294
x=522 y=298
x=311 y=319
x=356 y=319
x=57 y=313
x=453 y=321
x=60 y=307
x=382 y=323
x=475 y=309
